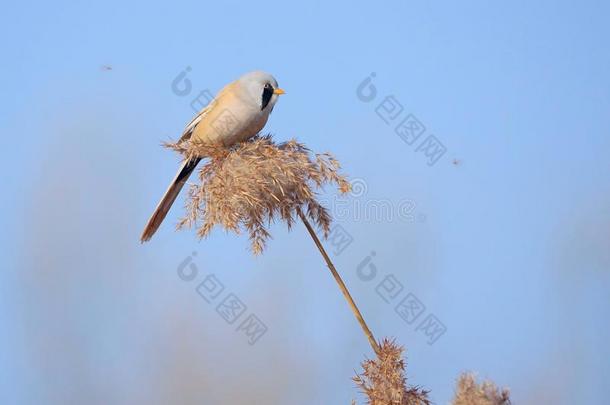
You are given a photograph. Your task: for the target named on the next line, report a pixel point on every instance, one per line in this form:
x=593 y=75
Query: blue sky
x=507 y=246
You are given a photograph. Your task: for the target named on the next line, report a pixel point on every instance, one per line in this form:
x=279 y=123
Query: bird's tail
x=168 y=198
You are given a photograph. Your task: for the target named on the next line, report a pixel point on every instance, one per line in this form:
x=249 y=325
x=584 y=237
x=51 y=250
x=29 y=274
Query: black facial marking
x=267 y=93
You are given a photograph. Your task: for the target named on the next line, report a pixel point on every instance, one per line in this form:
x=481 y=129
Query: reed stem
x=341 y=284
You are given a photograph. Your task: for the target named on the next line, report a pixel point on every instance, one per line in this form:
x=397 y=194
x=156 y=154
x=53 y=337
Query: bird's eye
x=266 y=97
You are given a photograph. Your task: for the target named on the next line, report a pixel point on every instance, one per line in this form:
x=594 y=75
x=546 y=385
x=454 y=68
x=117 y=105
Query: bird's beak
x=279 y=92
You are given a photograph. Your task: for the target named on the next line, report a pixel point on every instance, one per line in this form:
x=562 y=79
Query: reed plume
x=250 y=184
x=383 y=379
x=469 y=392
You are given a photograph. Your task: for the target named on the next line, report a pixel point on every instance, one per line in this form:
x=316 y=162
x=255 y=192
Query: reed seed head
x=249 y=185
x=469 y=392
x=383 y=379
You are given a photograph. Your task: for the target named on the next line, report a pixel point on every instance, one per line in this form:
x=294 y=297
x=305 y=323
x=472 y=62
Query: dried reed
x=383 y=380
x=469 y=392
x=250 y=184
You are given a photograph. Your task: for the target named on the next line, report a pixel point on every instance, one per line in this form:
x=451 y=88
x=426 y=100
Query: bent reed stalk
x=342 y=286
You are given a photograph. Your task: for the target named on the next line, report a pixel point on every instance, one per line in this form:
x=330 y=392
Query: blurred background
x=492 y=210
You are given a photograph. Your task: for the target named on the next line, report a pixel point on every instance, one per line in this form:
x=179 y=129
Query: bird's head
x=261 y=88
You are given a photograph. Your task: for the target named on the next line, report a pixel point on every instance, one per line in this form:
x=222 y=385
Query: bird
x=238 y=112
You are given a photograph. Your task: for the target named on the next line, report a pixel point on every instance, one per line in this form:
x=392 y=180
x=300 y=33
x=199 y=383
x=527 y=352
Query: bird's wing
x=190 y=128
